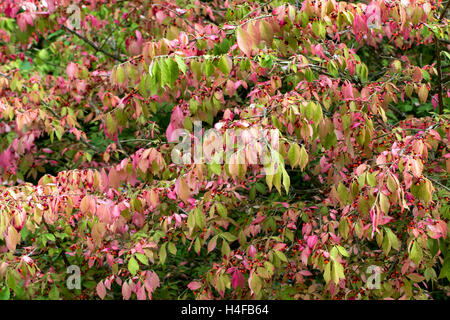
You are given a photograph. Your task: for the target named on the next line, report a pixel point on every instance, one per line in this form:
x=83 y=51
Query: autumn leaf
x=244 y=41
x=183 y=190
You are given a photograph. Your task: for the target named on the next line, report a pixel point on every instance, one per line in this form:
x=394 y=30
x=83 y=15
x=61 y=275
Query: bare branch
x=92 y=44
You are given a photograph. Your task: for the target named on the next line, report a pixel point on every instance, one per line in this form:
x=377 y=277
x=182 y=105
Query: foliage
x=93 y=92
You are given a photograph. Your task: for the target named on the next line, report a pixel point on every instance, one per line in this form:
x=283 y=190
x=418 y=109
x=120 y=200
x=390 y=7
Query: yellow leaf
x=184 y=191
x=303 y=158
x=244 y=41
x=423 y=93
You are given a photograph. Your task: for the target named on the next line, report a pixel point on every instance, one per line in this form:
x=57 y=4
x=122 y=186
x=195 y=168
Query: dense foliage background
x=91 y=93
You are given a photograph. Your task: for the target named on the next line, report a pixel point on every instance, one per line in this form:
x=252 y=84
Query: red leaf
x=237 y=280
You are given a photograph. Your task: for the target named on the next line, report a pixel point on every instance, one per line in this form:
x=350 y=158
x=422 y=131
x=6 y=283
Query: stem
x=92 y=44
x=438 y=64
x=439 y=71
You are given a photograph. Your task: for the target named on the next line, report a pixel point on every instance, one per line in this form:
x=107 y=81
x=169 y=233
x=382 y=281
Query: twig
x=259 y=7
x=438 y=64
x=82 y=140
x=115 y=29
x=177 y=14
x=437 y=182
x=92 y=44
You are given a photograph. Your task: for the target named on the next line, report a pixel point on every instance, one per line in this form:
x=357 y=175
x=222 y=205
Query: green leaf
x=337 y=272
x=181 y=65
x=416 y=253
x=384 y=203
x=433 y=245
x=343 y=193
x=50 y=237
x=255 y=284
x=415 y=277
x=371 y=179
x=172 y=248
x=393 y=239
x=111 y=124
x=333 y=253
x=445 y=270
x=294 y=155
x=142 y=258
x=208 y=67
x=386 y=245
x=286 y=181
x=342 y=251
x=327 y=273
x=5 y=293
x=344 y=228
x=304 y=158
x=163 y=253
x=133 y=266
x=169 y=72
x=225 y=64
x=363 y=73
x=200 y=219
x=316 y=28
x=228 y=236
x=225 y=248
x=281 y=256
x=430 y=274
x=191 y=220
x=89 y=284
x=120 y=75
x=54 y=293
x=221 y=210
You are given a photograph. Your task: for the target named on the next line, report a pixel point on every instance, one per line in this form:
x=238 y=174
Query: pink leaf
x=347 y=91
x=126 y=291
x=140 y=292
x=237 y=280
x=151 y=281
x=194 y=285
x=312 y=240
x=101 y=290
x=72 y=70
x=252 y=251
x=176 y=122
x=212 y=244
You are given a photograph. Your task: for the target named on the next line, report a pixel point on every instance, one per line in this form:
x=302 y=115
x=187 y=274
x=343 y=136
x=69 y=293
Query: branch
x=177 y=14
x=437 y=182
x=82 y=140
x=438 y=64
x=259 y=7
x=92 y=44
x=439 y=74
x=117 y=27
x=444 y=11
